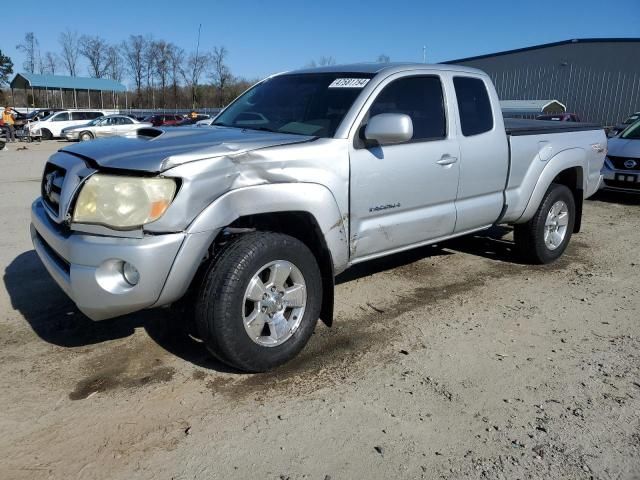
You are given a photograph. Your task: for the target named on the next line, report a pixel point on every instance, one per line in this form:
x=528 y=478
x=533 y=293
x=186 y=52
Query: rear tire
x=46 y=134
x=545 y=237
x=259 y=301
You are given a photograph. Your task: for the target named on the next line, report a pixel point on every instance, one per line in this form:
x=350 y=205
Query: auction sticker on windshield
x=349 y=82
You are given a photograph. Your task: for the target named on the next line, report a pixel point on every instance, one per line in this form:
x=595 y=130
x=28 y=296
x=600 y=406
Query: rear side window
x=421 y=99
x=474 y=105
x=92 y=115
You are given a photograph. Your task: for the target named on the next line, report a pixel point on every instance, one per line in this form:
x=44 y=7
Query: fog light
x=131 y=274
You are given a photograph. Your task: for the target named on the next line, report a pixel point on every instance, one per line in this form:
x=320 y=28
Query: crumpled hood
x=620 y=147
x=177 y=145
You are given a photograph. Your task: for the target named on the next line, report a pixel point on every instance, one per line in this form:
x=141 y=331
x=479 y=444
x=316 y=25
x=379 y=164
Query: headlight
x=123 y=202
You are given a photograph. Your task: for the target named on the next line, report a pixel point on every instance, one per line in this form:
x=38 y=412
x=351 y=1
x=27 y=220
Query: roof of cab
x=374 y=68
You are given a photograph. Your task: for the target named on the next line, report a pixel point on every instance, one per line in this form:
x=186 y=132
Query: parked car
x=621 y=170
x=303 y=176
x=206 y=122
x=163 y=119
x=613 y=131
x=559 y=117
x=52 y=125
x=192 y=120
x=108 y=126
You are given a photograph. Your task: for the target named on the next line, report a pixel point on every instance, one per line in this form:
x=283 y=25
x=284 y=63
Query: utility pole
x=424 y=54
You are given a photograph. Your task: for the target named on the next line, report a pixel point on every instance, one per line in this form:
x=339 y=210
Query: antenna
x=424 y=54
x=195 y=67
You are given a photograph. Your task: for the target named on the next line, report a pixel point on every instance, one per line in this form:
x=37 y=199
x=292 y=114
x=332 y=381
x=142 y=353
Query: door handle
x=447 y=160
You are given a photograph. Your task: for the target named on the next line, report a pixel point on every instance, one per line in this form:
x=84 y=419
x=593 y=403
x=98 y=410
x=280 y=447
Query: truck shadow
x=490 y=244
x=56 y=320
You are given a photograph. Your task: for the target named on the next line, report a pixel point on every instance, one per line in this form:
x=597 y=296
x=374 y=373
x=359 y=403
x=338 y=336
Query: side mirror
x=389 y=128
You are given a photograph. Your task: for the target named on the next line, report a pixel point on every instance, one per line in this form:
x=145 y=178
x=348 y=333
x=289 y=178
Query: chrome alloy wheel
x=274 y=303
x=555 y=227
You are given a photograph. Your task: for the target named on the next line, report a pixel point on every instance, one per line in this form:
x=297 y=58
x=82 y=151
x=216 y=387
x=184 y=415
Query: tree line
x=162 y=74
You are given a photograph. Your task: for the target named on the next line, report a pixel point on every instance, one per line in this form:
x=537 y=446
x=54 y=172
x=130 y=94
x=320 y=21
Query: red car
x=163 y=119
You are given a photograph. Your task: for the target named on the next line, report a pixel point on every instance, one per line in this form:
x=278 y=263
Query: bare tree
x=30 y=48
x=51 y=63
x=176 y=57
x=134 y=49
x=220 y=73
x=326 y=61
x=192 y=71
x=70 y=51
x=115 y=70
x=323 y=61
x=95 y=50
x=382 y=58
x=163 y=67
x=149 y=56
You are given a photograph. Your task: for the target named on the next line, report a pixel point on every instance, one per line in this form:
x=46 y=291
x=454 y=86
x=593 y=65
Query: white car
x=621 y=170
x=108 y=126
x=51 y=126
x=205 y=123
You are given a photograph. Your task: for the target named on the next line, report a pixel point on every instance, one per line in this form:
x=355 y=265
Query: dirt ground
x=448 y=362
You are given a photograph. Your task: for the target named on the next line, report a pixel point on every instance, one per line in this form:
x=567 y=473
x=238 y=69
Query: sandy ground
x=448 y=362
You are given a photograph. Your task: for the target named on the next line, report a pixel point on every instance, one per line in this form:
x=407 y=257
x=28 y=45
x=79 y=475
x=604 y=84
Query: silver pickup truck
x=304 y=175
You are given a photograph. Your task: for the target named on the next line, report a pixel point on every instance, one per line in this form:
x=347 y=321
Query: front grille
x=619 y=163
x=51 y=190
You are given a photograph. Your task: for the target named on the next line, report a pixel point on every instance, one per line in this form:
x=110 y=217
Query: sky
x=265 y=37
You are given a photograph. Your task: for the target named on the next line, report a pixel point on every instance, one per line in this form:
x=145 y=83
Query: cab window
x=474 y=105
x=422 y=99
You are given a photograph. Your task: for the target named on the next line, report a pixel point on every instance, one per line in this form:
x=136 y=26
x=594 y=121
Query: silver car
x=108 y=126
x=621 y=169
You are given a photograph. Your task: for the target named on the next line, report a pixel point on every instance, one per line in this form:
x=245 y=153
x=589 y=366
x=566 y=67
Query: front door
x=404 y=194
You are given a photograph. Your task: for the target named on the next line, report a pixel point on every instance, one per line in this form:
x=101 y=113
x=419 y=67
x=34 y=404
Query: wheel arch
x=306 y=211
x=566 y=168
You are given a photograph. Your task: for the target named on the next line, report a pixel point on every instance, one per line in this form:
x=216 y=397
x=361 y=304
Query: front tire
x=85 y=136
x=259 y=301
x=545 y=237
x=46 y=134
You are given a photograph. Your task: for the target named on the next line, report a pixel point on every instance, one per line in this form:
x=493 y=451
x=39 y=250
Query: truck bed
x=518 y=126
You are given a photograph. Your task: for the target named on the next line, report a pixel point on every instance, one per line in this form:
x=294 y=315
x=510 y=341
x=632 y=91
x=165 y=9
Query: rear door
x=58 y=122
x=123 y=125
x=107 y=127
x=404 y=194
x=484 y=153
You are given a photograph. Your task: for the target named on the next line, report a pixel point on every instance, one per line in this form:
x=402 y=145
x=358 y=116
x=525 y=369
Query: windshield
x=632 y=132
x=303 y=104
x=96 y=121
